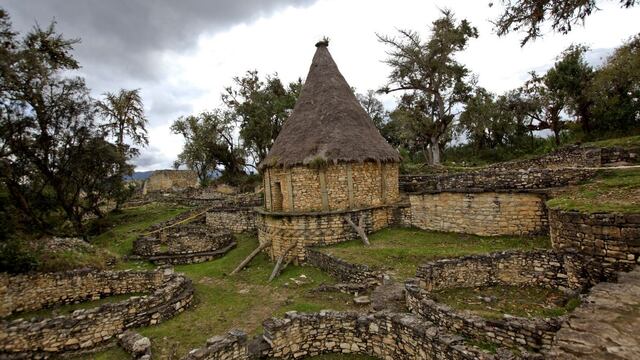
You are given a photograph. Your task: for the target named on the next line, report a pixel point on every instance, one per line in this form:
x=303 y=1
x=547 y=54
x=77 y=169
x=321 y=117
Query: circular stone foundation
x=544 y=268
x=167 y=294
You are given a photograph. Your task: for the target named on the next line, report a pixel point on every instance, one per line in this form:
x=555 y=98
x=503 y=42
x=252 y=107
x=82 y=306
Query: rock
x=361 y=300
x=135 y=344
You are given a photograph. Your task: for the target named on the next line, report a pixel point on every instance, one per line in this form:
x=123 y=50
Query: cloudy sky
x=183 y=53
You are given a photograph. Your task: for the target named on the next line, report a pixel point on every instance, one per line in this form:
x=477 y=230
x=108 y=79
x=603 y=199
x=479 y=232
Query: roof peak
x=323 y=43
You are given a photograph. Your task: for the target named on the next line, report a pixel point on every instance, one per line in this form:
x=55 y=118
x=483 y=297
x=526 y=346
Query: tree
x=262 y=107
x=374 y=108
x=433 y=83
x=529 y=15
x=571 y=76
x=209 y=143
x=124 y=116
x=54 y=160
x=545 y=105
x=615 y=90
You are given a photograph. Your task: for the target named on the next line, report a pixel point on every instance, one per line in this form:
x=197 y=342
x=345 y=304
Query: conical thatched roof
x=328 y=123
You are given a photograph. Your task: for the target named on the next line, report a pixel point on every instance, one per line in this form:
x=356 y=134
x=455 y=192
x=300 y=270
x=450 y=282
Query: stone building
x=328 y=162
x=170 y=180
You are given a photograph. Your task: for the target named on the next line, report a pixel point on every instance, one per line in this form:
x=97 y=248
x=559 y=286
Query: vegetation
x=401 y=250
x=56 y=162
x=529 y=15
x=495 y=301
x=209 y=142
x=433 y=83
x=616 y=191
x=262 y=107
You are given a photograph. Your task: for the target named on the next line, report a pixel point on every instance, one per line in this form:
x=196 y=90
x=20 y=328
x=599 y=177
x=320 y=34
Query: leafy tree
x=615 y=90
x=571 y=77
x=262 y=107
x=529 y=15
x=373 y=108
x=54 y=161
x=544 y=104
x=124 y=115
x=433 y=83
x=209 y=143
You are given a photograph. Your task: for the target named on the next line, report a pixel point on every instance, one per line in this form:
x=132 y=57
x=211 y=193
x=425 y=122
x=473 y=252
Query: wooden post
x=276 y=269
x=290 y=190
x=323 y=190
x=359 y=229
x=250 y=257
x=350 y=186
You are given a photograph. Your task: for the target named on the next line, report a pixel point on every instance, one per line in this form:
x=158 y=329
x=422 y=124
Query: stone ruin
x=163 y=294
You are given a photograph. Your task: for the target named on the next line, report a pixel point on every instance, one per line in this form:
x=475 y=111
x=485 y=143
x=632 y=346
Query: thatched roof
x=328 y=124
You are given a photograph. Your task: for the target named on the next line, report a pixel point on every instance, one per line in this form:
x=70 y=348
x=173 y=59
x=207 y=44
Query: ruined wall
x=184 y=244
x=41 y=290
x=340 y=269
x=83 y=330
x=171 y=180
x=514 y=268
x=605 y=326
x=321 y=228
x=336 y=187
x=237 y=220
x=612 y=239
x=381 y=335
x=494 y=179
x=486 y=213
x=547 y=268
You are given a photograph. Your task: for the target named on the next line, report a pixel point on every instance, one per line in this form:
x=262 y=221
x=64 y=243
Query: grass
x=69 y=308
x=625 y=142
x=223 y=303
x=401 y=250
x=613 y=191
x=128 y=224
x=530 y=302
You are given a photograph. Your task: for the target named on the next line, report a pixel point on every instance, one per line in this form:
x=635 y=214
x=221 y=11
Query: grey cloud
x=151 y=158
x=122 y=37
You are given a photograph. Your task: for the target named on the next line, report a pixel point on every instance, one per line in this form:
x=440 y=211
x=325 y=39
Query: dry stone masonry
x=612 y=239
x=606 y=326
x=383 y=335
x=566 y=271
x=184 y=244
x=482 y=213
x=167 y=294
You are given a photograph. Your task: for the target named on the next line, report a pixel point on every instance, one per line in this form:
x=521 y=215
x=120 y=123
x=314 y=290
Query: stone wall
x=335 y=187
x=546 y=268
x=381 y=335
x=340 y=269
x=170 y=180
x=237 y=220
x=184 y=244
x=486 y=213
x=612 y=239
x=167 y=294
x=549 y=268
x=606 y=326
x=495 y=179
x=312 y=229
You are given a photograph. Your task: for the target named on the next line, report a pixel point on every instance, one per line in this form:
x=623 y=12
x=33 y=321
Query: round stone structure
x=328 y=162
x=165 y=294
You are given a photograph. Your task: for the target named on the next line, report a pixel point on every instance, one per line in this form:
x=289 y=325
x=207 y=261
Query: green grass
x=69 y=308
x=625 y=142
x=128 y=224
x=242 y=301
x=530 y=302
x=613 y=191
x=401 y=250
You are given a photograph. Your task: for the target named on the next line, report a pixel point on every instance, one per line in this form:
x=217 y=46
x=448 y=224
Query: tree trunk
x=435 y=151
